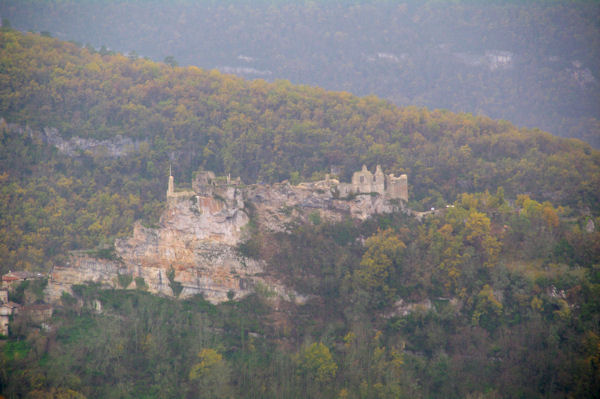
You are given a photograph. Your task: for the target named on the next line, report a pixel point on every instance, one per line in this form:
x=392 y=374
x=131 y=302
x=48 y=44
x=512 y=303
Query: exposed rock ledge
x=115 y=147
x=197 y=237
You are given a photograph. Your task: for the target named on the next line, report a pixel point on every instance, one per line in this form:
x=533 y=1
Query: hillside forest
x=493 y=296
x=533 y=63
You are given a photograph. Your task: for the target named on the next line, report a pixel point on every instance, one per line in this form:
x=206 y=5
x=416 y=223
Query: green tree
x=478 y=234
x=176 y=286
x=488 y=308
x=124 y=280
x=170 y=60
x=317 y=367
x=210 y=376
x=380 y=267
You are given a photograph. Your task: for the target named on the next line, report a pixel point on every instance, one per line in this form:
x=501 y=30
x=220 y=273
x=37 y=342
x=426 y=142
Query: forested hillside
x=494 y=296
x=260 y=131
x=487 y=300
x=534 y=63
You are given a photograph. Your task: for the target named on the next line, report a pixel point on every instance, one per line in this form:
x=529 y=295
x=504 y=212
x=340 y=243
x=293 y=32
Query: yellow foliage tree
x=379 y=265
x=211 y=374
x=316 y=363
x=478 y=233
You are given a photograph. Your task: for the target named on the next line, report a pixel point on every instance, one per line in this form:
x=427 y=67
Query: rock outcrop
x=279 y=204
x=115 y=147
x=195 y=240
x=193 y=249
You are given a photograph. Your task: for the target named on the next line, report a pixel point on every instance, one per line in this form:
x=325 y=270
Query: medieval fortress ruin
x=363 y=182
x=389 y=186
x=194 y=248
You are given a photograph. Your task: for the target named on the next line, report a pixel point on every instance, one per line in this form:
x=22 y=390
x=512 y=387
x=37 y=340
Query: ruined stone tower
x=172 y=194
x=171 y=186
x=378 y=181
x=397 y=187
x=364 y=182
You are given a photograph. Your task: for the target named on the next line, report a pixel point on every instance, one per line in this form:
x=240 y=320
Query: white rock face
x=282 y=203
x=115 y=147
x=198 y=234
x=78 y=270
x=196 y=238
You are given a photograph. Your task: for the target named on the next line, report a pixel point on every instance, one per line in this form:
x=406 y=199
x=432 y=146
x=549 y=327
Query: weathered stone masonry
x=389 y=186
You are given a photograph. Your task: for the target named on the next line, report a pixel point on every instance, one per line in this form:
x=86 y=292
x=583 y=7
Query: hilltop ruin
x=195 y=243
x=205 y=183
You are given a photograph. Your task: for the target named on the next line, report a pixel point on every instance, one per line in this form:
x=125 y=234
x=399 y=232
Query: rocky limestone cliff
x=279 y=204
x=115 y=147
x=198 y=233
x=196 y=238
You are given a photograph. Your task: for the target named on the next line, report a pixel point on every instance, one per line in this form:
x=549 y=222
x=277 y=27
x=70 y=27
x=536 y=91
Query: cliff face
x=198 y=234
x=196 y=237
x=112 y=148
x=79 y=269
x=279 y=204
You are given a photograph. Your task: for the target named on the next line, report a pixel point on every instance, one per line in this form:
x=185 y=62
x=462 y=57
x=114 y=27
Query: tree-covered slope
x=260 y=131
x=494 y=296
x=533 y=63
x=485 y=300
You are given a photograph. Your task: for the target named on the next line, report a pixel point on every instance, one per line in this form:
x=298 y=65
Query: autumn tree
x=210 y=376
x=317 y=368
x=380 y=267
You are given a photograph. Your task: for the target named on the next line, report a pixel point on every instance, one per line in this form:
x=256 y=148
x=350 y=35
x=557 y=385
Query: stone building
x=397 y=187
x=174 y=195
x=365 y=182
x=37 y=313
x=206 y=184
x=203 y=181
x=12 y=278
x=7 y=309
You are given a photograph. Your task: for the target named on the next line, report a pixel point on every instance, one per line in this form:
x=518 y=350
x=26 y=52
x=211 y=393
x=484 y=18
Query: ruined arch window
x=362 y=179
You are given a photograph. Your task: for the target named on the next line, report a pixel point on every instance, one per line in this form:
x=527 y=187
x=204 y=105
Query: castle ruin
x=364 y=182
x=390 y=187
x=200 y=229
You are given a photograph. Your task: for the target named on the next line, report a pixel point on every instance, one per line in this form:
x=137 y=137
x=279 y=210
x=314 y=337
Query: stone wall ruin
x=365 y=182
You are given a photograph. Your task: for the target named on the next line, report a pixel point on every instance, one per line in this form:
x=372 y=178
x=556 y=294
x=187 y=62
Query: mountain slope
x=493 y=296
x=534 y=63
x=256 y=130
